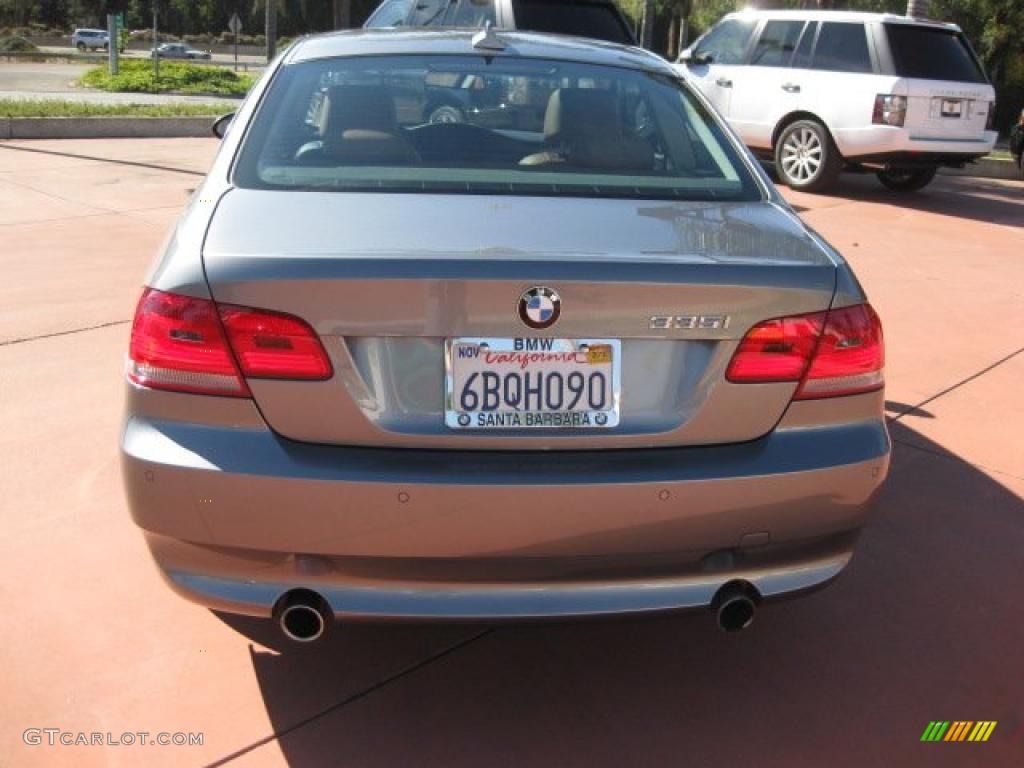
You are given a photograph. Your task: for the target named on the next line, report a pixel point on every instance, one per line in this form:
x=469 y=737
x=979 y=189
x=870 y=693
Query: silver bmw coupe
x=567 y=355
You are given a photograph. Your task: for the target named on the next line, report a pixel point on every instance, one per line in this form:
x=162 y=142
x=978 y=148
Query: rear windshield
x=600 y=21
x=488 y=125
x=932 y=54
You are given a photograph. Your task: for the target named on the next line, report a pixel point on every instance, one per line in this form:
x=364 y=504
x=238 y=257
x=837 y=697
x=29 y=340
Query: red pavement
x=925 y=625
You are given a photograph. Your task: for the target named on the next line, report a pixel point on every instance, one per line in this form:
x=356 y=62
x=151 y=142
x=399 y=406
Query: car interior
x=584 y=129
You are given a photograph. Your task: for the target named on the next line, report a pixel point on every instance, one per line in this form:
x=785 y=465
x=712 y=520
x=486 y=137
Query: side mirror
x=220 y=125
x=689 y=57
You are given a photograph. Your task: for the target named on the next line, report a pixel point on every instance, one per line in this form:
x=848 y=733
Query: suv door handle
x=791 y=88
x=724 y=82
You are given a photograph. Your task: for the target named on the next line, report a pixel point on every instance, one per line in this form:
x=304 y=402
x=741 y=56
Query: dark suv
x=598 y=19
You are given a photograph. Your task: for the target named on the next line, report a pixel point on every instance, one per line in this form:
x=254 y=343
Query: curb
x=106 y=127
x=986 y=168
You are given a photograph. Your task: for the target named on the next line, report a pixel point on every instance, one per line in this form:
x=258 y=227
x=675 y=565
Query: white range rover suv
x=819 y=92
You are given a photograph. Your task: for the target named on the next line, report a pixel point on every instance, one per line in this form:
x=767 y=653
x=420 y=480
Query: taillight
x=834 y=353
x=889 y=110
x=185 y=344
x=990 y=121
x=271 y=345
x=776 y=350
x=178 y=344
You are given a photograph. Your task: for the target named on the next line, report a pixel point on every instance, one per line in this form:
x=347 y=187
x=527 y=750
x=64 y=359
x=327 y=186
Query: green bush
x=16 y=44
x=138 y=77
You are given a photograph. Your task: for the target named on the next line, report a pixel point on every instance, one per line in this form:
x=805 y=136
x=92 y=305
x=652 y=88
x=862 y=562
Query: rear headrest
x=581 y=113
x=363 y=107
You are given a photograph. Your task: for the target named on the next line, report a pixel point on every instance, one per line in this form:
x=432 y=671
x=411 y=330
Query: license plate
x=532 y=383
x=952 y=108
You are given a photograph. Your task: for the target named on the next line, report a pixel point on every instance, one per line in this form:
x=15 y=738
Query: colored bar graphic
x=934 y=730
x=958 y=730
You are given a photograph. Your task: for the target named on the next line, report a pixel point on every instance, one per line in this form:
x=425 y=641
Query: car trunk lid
x=386 y=279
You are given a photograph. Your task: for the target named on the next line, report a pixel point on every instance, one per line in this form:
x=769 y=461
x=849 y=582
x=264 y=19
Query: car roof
x=533 y=45
x=861 y=16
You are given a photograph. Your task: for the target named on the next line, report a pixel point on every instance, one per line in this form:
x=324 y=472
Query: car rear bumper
x=210 y=577
x=236 y=516
x=857 y=143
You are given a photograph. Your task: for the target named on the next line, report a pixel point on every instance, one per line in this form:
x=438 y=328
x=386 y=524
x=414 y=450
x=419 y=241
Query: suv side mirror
x=220 y=125
x=689 y=57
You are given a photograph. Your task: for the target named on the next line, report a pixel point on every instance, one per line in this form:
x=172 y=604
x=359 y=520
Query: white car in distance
x=819 y=92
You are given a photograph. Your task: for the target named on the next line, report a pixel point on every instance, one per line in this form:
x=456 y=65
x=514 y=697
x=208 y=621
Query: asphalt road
x=246 y=60
x=926 y=624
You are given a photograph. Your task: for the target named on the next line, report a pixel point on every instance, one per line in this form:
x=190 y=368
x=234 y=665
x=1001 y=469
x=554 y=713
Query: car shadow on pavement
x=924 y=625
x=964 y=197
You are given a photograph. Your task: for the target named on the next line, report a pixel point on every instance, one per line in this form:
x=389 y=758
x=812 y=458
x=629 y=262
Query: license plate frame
x=459 y=418
x=952 y=108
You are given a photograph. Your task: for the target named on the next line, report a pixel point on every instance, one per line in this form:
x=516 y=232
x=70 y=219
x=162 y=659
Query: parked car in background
x=480 y=99
x=91 y=39
x=588 y=362
x=178 y=51
x=818 y=92
x=1017 y=142
x=597 y=19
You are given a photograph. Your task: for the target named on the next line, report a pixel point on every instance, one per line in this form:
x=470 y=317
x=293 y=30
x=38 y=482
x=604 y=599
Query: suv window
x=842 y=47
x=471 y=13
x=932 y=54
x=775 y=46
x=538 y=127
x=428 y=13
x=600 y=21
x=390 y=14
x=802 y=57
x=726 y=42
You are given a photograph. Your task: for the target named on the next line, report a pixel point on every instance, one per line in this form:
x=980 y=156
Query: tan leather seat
x=583 y=130
x=357 y=126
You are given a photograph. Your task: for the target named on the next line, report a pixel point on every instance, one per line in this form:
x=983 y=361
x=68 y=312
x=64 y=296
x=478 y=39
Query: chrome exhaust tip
x=303 y=616
x=734 y=606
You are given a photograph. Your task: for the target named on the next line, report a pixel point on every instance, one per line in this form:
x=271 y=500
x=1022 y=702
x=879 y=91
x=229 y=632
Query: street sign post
x=156 y=44
x=112 y=40
x=235 y=25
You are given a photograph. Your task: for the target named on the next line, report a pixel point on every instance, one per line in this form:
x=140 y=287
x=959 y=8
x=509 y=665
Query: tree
x=918 y=8
x=342 y=15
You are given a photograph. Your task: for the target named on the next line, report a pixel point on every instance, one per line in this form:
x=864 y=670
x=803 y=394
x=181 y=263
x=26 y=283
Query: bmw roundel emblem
x=540 y=307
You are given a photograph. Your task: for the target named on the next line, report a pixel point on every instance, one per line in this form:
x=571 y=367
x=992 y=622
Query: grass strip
x=58 y=108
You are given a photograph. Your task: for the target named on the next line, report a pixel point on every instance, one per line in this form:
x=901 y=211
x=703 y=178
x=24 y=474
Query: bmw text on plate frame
x=528 y=383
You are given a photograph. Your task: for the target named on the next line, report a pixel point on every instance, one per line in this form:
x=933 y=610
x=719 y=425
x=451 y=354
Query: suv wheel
x=81 y=47
x=908 y=180
x=446 y=113
x=805 y=157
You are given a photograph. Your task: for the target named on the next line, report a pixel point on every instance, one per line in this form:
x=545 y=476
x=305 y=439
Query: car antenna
x=487 y=39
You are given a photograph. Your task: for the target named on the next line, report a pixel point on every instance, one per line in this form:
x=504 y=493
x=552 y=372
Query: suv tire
x=806 y=159
x=907 y=181
x=445 y=113
x=81 y=47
